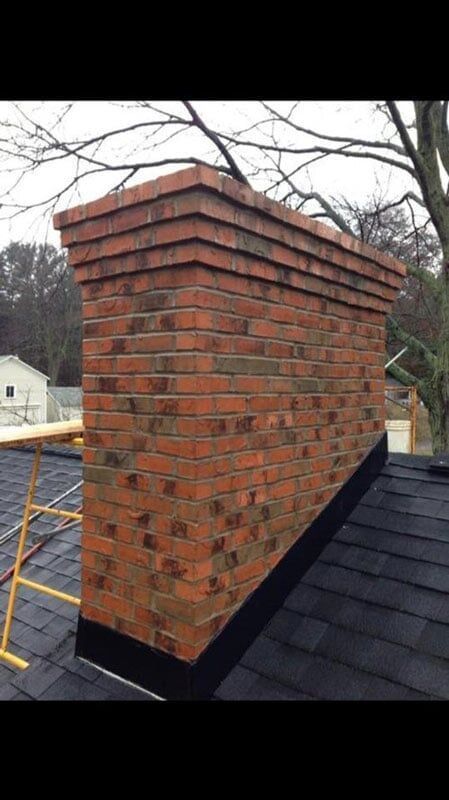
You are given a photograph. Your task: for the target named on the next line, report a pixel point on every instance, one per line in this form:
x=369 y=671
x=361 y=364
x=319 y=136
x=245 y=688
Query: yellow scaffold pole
x=19 y=662
x=59 y=433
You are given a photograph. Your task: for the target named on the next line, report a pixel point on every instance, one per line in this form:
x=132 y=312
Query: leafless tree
x=419 y=148
x=278 y=151
x=415 y=310
x=40 y=310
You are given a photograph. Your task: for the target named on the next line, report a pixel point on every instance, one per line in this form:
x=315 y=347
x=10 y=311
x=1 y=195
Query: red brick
x=233 y=359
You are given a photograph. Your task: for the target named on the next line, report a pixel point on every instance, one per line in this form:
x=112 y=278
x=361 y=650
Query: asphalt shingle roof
x=67 y=395
x=368 y=621
x=44 y=628
x=370 y=618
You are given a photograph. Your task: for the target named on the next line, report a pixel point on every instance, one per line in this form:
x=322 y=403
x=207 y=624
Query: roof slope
x=44 y=628
x=24 y=364
x=370 y=619
x=66 y=395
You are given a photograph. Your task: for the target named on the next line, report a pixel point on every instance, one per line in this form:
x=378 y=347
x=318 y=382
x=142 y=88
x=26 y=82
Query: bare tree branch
x=320 y=149
x=327 y=137
x=401 y=375
x=423 y=275
x=418 y=347
x=234 y=169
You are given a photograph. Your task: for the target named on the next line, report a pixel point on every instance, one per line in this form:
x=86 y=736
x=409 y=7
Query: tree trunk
x=437 y=387
x=53 y=372
x=439 y=427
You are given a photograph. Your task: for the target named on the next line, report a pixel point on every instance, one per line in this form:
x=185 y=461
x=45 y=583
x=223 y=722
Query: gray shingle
x=381 y=689
x=366 y=621
x=369 y=620
x=328 y=680
x=39 y=676
x=72 y=687
x=291 y=628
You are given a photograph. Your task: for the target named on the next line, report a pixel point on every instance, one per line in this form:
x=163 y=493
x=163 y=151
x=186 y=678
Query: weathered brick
x=233 y=380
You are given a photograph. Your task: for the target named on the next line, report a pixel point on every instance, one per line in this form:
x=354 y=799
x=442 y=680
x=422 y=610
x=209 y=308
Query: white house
x=23 y=393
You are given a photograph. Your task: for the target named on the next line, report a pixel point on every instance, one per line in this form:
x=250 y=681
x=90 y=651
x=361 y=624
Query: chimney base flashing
x=173 y=679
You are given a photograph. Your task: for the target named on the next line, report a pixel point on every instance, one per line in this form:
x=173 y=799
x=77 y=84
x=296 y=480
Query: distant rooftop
x=390 y=381
x=24 y=363
x=67 y=395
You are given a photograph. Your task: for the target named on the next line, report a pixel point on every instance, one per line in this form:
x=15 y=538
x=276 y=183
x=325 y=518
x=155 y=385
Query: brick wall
x=233 y=380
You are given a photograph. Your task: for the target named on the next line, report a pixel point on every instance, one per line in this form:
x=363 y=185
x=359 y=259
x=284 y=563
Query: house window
x=10 y=391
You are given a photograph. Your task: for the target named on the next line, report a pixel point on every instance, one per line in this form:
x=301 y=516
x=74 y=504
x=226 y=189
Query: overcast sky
x=355 y=179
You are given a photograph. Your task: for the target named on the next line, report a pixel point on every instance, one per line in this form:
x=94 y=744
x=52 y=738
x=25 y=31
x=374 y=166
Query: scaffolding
x=62 y=433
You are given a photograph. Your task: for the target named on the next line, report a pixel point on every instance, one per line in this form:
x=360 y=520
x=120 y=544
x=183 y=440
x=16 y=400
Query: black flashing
x=171 y=678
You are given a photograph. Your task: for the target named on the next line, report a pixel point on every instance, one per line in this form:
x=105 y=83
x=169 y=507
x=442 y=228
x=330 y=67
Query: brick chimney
x=233 y=381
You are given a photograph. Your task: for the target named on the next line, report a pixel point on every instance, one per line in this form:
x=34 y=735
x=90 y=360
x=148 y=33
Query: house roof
x=44 y=628
x=369 y=619
x=390 y=381
x=24 y=364
x=66 y=395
